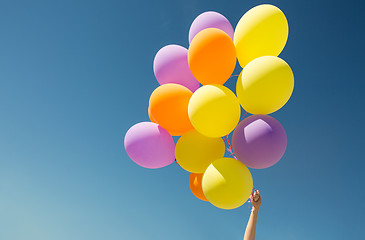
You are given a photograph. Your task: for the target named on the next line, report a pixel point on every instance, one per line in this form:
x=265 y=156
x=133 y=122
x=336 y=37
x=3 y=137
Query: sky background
x=76 y=75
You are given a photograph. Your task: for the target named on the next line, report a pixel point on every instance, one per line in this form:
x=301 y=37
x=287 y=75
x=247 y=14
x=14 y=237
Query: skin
x=251 y=225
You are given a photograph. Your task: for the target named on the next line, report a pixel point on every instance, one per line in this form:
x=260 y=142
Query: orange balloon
x=195 y=182
x=169 y=108
x=212 y=56
x=150 y=115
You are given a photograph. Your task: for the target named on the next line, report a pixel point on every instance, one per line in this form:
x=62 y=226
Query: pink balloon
x=171 y=66
x=210 y=20
x=149 y=145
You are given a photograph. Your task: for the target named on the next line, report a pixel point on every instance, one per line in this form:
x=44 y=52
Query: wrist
x=255 y=210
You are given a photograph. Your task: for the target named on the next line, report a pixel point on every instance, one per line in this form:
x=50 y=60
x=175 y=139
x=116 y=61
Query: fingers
x=259 y=196
x=256 y=195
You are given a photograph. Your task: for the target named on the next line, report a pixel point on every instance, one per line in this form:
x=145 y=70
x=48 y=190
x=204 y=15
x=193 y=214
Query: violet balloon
x=171 y=66
x=149 y=145
x=259 y=141
x=210 y=20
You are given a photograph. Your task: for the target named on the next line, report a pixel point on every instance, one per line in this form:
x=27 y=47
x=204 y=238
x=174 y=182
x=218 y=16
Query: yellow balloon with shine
x=195 y=152
x=214 y=110
x=227 y=183
x=262 y=31
x=265 y=85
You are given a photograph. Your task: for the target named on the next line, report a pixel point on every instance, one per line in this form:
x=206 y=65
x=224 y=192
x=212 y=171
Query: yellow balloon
x=227 y=183
x=262 y=31
x=195 y=152
x=265 y=85
x=214 y=110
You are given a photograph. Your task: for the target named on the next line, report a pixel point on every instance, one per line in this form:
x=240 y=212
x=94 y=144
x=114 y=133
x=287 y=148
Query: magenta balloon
x=259 y=141
x=149 y=145
x=210 y=20
x=171 y=66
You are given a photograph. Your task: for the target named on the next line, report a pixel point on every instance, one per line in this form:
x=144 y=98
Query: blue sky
x=75 y=75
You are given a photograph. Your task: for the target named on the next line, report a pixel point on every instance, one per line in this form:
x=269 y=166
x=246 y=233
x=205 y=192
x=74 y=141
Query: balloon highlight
x=149 y=145
x=195 y=183
x=227 y=183
x=171 y=66
x=212 y=56
x=195 y=152
x=169 y=108
x=214 y=110
x=259 y=141
x=265 y=85
x=210 y=20
x=262 y=31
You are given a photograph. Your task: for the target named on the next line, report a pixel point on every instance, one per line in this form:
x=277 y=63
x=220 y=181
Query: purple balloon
x=149 y=145
x=210 y=20
x=259 y=141
x=171 y=66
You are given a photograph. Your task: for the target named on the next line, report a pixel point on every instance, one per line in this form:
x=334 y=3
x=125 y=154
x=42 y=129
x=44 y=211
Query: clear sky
x=76 y=75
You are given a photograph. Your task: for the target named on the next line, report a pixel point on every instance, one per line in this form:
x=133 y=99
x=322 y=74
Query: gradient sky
x=76 y=75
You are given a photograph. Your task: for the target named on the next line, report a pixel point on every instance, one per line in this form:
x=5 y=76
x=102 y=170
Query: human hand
x=255 y=200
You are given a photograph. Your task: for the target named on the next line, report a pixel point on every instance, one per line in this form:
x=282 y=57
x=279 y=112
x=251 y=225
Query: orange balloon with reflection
x=195 y=182
x=212 y=56
x=169 y=108
x=150 y=115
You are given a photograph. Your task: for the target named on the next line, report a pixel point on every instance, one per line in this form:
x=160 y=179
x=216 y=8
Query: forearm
x=251 y=226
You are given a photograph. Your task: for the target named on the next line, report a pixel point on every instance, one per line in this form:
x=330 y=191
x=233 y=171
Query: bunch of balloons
x=202 y=115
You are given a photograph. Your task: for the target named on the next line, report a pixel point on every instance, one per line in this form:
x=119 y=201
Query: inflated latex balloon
x=212 y=56
x=195 y=152
x=214 y=110
x=149 y=145
x=195 y=183
x=265 y=85
x=169 y=107
x=171 y=66
x=227 y=183
x=150 y=115
x=259 y=141
x=210 y=20
x=262 y=31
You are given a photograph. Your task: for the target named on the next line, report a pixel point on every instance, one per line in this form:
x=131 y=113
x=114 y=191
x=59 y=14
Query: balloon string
x=250 y=206
x=233 y=76
x=176 y=162
x=244 y=115
x=226 y=139
x=230 y=148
